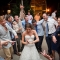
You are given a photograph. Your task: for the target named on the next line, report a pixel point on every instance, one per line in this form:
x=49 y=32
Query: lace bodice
x=29 y=38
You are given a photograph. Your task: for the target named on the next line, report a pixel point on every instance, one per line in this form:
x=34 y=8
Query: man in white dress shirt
x=52 y=24
x=54 y=15
x=19 y=32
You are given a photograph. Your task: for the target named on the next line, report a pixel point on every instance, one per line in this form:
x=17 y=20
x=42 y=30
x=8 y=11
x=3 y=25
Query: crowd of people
x=30 y=32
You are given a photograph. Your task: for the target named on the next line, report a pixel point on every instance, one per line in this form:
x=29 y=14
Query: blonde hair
x=1 y=18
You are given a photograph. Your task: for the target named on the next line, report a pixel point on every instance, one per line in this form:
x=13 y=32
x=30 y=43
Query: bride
x=29 y=52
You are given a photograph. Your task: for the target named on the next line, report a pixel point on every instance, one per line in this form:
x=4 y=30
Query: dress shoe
x=11 y=57
x=17 y=54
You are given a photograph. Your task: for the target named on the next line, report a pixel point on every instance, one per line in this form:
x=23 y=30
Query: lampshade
x=8 y=11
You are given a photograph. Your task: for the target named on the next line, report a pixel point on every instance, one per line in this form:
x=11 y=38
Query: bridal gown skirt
x=30 y=53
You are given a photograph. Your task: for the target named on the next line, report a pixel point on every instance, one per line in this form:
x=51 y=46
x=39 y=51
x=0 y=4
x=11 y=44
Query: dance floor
x=44 y=47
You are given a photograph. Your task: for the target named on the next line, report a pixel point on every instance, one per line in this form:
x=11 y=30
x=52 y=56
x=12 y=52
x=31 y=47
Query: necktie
x=47 y=29
x=47 y=26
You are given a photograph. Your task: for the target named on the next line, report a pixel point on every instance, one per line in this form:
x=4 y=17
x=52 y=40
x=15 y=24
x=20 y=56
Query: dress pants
x=49 y=43
x=14 y=46
x=18 y=41
x=8 y=52
x=40 y=43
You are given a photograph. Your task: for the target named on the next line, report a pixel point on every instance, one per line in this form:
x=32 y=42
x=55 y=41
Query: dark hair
x=45 y=13
x=8 y=16
x=16 y=15
x=28 y=25
x=58 y=17
x=33 y=21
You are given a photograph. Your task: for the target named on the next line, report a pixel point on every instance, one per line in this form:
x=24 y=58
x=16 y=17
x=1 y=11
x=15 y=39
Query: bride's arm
x=23 y=42
x=37 y=38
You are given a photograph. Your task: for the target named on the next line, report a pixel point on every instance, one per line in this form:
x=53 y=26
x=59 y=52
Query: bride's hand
x=27 y=42
x=31 y=42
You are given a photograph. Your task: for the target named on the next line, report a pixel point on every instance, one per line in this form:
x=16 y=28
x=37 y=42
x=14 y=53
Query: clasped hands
x=29 y=42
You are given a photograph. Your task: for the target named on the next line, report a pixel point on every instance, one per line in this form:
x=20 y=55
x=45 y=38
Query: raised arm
x=21 y=26
x=55 y=23
x=40 y=22
x=10 y=29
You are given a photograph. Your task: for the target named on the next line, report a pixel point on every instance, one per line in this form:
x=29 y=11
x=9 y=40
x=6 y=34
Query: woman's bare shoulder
x=33 y=31
x=24 y=33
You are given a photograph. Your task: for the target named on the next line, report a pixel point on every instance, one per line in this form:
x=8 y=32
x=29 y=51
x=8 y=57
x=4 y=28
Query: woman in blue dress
x=56 y=38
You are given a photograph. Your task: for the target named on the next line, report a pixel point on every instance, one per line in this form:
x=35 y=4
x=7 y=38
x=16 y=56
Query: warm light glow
x=8 y=11
x=32 y=6
x=47 y=10
x=8 y=4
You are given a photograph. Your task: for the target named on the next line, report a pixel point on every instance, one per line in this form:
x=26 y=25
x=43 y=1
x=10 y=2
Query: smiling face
x=2 y=20
x=45 y=17
x=16 y=18
x=10 y=19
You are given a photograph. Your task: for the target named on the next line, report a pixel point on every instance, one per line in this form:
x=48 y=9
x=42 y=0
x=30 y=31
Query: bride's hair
x=28 y=25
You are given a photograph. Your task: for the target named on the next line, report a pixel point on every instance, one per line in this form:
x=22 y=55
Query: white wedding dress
x=30 y=52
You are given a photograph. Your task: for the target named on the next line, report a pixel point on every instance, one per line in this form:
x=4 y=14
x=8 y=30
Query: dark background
x=52 y=4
